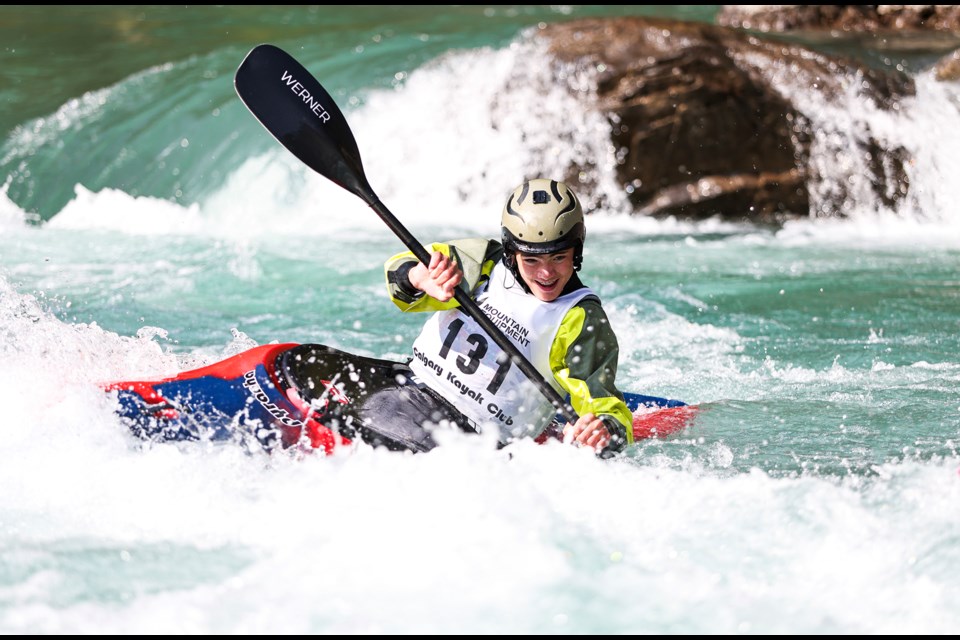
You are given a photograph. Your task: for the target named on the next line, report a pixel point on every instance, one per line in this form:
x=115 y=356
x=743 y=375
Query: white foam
x=11 y=216
x=115 y=210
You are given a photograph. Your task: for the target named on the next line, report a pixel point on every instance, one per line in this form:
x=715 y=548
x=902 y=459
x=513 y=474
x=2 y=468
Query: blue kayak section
x=636 y=401
x=209 y=408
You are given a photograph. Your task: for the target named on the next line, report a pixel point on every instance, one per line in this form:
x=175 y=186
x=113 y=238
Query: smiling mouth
x=547 y=285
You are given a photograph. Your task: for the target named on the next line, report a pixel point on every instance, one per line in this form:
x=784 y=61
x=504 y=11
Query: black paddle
x=299 y=112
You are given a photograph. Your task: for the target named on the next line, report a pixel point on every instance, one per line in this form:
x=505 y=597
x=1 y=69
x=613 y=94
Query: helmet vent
x=541 y=197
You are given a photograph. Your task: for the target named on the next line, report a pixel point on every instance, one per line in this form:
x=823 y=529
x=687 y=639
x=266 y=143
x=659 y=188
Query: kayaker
x=527 y=283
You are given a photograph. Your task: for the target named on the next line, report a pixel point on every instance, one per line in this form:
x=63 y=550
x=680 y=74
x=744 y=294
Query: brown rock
x=843 y=17
x=700 y=126
x=948 y=67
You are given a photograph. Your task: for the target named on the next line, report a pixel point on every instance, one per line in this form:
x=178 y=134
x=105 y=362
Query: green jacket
x=589 y=378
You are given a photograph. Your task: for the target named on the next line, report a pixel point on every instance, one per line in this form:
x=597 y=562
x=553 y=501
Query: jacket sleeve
x=584 y=361
x=476 y=257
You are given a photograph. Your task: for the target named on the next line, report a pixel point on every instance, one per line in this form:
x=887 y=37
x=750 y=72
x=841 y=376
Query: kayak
x=320 y=398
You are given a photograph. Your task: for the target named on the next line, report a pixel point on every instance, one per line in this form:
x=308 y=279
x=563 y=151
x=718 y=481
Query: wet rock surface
x=702 y=124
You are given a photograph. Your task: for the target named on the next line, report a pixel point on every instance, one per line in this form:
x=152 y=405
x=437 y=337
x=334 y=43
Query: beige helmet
x=542 y=216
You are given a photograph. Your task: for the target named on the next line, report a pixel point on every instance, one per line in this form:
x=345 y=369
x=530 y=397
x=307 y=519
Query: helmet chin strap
x=510 y=262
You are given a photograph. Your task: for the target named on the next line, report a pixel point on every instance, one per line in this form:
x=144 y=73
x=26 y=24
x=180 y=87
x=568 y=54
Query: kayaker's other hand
x=439 y=279
x=589 y=431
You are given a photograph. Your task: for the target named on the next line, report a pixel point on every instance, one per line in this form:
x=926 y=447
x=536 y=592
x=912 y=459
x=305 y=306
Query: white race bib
x=455 y=357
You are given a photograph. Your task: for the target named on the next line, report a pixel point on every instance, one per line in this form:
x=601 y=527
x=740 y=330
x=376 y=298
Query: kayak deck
x=267 y=394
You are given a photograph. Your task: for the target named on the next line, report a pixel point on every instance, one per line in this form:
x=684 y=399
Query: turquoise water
x=148 y=225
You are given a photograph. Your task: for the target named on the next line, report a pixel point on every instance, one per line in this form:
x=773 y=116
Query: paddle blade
x=301 y=115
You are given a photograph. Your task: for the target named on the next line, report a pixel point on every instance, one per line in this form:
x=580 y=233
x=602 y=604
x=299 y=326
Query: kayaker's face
x=546 y=275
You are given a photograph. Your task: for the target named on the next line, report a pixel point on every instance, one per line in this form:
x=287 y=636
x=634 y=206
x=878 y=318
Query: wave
x=441 y=147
